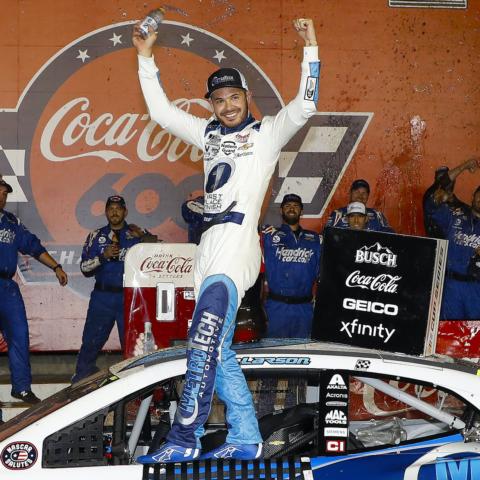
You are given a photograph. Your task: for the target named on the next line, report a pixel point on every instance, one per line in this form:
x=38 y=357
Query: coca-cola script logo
x=376 y=283
x=167 y=264
x=85 y=134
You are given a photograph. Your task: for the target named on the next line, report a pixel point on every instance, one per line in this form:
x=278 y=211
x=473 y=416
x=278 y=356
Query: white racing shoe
x=170 y=453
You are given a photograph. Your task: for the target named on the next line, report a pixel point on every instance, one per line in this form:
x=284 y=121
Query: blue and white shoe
x=170 y=453
x=236 y=452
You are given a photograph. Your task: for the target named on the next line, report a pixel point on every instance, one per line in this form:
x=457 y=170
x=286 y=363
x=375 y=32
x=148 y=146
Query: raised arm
x=472 y=165
x=294 y=115
x=306 y=30
x=178 y=122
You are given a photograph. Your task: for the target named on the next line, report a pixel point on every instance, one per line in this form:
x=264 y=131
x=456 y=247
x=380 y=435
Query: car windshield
x=56 y=401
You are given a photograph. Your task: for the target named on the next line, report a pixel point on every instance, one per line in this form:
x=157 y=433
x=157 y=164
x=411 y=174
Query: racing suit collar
x=226 y=130
x=125 y=226
x=286 y=228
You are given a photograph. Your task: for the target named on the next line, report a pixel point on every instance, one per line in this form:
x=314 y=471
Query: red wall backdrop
x=73 y=125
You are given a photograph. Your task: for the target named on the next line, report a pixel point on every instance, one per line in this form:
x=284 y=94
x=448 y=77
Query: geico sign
x=367 y=306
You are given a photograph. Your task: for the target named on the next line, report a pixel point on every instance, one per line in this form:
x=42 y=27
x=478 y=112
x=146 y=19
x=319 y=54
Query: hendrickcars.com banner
x=398 y=98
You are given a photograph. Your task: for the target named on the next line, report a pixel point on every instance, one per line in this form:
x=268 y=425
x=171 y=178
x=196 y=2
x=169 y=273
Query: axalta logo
x=377 y=255
x=368 y=306
x=337 y=383
x=335 y=417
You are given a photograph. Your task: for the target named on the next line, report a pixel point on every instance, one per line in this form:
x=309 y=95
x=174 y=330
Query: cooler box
x=158 y=287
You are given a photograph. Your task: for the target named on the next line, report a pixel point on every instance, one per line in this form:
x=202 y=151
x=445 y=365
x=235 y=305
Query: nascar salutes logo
x=83 y=112
x=19 y=456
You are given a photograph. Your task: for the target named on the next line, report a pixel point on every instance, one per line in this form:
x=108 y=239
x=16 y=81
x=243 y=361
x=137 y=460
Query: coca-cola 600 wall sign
x=380 y=290
x=83 y=140
x=80 y=132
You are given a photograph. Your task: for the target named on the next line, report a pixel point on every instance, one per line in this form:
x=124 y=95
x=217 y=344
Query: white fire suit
x=238 y=165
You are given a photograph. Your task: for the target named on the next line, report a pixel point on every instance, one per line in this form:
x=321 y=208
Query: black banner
x=380 y=290
x=333 y=421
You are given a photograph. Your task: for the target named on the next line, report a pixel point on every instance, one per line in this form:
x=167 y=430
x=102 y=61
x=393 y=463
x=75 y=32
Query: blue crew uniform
x=376 y=220
x=292 y=262
x=14 y=238
x=458 y=224
x=441 y=181
x=106 y=301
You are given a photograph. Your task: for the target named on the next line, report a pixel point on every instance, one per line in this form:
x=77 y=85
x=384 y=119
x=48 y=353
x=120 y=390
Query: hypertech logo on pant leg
x=201 y=348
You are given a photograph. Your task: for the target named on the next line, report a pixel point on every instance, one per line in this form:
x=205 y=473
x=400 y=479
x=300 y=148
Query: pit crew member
x=14 y=238
x=441 y=182
x=357 y=217
x=103 y=257
x=359 y=192
x=460 y=225
x=292 y=262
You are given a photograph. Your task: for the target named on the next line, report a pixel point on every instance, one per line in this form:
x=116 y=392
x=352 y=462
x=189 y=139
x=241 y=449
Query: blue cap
x=291 y=197
x=360 y=183
x=116 y=199
x=3 y=183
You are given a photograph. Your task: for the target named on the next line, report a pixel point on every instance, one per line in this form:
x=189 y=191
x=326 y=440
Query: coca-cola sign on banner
x=148 y=264
x=380 y=290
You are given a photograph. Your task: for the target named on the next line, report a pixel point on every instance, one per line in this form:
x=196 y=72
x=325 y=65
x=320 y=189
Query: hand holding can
x=152 y=20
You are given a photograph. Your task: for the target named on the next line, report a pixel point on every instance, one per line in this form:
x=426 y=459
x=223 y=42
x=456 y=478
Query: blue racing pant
x=288 y=320
x=104 y=309
x=461 y=300
x=14 y=328
x=211 y=364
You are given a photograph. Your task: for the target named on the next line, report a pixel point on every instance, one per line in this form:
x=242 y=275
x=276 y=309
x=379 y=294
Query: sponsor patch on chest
x=7 y=236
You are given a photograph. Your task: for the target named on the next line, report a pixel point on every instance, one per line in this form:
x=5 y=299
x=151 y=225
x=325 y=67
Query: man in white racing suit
x=240 y=154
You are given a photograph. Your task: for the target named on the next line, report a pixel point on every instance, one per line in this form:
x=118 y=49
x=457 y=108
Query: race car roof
x=299 y=346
